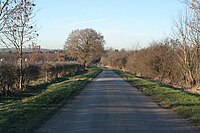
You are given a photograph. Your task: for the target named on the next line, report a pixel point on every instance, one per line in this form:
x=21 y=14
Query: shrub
x=7 y=78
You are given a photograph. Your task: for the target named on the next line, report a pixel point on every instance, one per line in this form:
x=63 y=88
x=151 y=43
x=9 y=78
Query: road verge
x=28 y=113
x=184 y=103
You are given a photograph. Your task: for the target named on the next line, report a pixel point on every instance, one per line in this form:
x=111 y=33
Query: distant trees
x=115 y=58
x=157 y=61
x=85 y=45
x=169 y=60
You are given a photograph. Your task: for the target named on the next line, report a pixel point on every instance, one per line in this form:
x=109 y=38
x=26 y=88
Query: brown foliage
x=115 y=58
x=85 y=45
x=159 y=61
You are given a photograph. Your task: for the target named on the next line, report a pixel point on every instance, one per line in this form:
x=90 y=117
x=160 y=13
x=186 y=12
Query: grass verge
x=26 y=114
x=184 y=103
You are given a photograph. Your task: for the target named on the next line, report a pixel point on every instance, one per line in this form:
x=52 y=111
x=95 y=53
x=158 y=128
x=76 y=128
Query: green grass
x=184 y=103
x=27 y=112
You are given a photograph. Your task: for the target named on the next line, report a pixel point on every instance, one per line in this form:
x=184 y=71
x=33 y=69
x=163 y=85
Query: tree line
x=174 y=60
x=18 y=29
x=84 y=47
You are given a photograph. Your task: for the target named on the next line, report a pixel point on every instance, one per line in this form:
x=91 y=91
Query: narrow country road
x=110 y=105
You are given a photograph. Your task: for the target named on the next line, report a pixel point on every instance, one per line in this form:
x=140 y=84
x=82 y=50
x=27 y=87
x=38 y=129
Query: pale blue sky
x=122 y=22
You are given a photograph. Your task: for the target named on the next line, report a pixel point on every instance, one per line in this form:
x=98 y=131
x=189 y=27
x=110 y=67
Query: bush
x=9 y=74
x=31 y=72
x=7 y=78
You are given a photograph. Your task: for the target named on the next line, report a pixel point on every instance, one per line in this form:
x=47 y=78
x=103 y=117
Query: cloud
x=86 y=22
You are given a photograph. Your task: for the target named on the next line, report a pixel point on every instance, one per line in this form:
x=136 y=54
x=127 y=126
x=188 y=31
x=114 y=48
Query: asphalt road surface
x=110 y=105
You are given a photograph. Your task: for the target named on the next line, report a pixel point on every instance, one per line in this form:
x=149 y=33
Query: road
x=110 y=105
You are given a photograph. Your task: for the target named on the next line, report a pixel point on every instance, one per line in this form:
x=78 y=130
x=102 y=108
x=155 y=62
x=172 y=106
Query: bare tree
x=194 y=5
x=115 y=58
x=86 y=45
x=185 y=49
x=19 y=29
x=6 y=8
x=194 y=35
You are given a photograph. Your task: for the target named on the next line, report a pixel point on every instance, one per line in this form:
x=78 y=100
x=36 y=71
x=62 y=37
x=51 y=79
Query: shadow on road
x=110 y=105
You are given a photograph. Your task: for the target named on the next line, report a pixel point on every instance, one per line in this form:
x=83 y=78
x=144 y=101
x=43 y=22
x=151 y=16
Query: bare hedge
x=9 y=74
x=160 y=61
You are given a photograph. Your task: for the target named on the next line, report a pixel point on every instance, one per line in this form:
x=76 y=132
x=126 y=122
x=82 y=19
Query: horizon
x=123 y=24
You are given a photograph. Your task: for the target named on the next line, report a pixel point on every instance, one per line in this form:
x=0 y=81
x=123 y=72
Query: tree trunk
x=191 y=78
x=21 y=71
x=46 y=75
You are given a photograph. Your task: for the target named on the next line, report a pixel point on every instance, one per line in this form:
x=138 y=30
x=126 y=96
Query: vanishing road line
x=110 y=105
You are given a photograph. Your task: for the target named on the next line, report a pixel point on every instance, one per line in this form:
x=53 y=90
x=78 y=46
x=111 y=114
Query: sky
x=124 y=23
